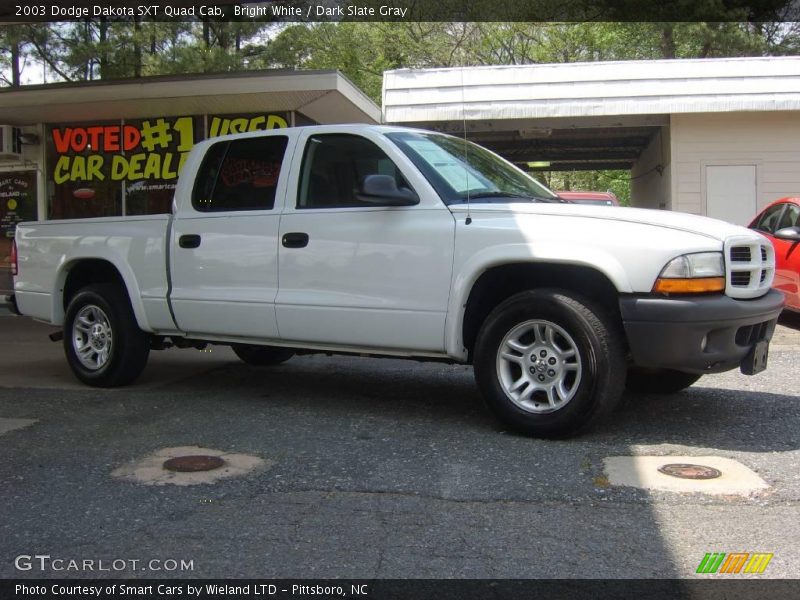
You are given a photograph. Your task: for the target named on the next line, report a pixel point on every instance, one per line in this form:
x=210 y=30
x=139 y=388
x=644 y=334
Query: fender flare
x=496 y=256
x=67 y=263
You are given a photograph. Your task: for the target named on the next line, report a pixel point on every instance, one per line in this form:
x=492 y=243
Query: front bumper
x=698 y=334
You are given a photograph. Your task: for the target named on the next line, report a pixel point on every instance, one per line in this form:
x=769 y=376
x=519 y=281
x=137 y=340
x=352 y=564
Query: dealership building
x=719 y=137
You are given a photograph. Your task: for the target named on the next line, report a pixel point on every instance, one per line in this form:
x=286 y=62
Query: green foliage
x=362 y=51
x=100 y=49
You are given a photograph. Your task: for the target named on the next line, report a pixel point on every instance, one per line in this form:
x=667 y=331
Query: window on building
x=150 y=169
x=240 y=175
x=17 y=203
x=81 y=182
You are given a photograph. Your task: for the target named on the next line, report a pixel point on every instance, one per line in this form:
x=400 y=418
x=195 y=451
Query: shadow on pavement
x=790 y=319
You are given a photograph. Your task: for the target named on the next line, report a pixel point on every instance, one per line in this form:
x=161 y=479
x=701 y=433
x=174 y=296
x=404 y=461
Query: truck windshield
x=460 y=170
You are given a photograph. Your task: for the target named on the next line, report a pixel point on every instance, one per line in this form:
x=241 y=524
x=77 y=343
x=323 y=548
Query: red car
x=780 y=222
x=596 y=198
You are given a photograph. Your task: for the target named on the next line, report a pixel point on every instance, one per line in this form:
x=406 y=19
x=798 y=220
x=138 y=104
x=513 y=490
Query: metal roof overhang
x=584 y=116
x=324 y=96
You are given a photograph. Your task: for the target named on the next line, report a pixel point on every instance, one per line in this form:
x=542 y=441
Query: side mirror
x=383 y=190
x=791 y=234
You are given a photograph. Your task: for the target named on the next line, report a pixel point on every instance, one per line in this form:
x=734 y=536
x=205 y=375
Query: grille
x=750 y=266
x=740 y=254
x=740 y=278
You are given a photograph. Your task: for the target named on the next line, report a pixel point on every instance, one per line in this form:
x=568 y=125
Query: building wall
x=650 y=175
x=770 y=141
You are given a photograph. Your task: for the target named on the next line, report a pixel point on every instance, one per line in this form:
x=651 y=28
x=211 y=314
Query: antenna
x=468 y=220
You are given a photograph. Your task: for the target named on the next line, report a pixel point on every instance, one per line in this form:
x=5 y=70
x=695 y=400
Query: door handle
x=294 y=240
x=191 y=240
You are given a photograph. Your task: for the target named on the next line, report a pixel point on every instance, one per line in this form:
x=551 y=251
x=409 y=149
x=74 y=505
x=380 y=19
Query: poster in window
x=17 y=203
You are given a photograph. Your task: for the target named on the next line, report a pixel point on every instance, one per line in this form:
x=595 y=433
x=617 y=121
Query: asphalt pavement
x=373 y=468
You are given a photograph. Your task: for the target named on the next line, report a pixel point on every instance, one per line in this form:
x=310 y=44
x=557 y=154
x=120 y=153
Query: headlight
x=692 y=274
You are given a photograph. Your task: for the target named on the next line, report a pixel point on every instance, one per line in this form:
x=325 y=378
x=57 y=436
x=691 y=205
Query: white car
x=406 y=243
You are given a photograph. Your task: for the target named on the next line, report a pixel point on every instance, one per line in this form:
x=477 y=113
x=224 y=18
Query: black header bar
x=717 y=587
x=269 y=11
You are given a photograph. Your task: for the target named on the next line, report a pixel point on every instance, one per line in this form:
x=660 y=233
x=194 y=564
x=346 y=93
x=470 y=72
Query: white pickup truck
x=395 y=242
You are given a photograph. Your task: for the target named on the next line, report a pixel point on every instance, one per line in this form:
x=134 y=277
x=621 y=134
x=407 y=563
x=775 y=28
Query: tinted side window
x=769 y=219
x=334 y=167
x=240 y=175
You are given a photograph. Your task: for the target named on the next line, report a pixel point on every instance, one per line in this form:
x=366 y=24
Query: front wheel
x=102 y=341
x=550 y=363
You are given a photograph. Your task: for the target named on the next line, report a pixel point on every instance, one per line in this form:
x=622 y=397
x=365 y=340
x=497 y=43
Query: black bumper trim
x=697 y=334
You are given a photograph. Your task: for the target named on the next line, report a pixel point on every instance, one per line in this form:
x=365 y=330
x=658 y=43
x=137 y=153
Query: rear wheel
x=550 y=363
x=658 y=381
x=262 y=356
x=102 y=341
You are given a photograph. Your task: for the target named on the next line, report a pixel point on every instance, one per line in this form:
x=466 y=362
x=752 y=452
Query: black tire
x=658 y=381
x=594 y=387
x=106 y=312
x=262 y=356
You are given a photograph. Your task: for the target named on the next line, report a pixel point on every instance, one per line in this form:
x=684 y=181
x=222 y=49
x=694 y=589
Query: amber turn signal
x=699 y=285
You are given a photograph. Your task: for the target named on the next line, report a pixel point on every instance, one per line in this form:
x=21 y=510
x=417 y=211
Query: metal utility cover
x=644 y=472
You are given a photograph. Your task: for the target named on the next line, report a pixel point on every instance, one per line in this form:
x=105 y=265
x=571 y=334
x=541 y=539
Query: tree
x=11 y=47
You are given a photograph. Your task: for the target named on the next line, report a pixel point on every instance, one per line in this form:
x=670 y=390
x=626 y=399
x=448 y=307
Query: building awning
x=324 y=96
x=583 y=116
x=598 y=89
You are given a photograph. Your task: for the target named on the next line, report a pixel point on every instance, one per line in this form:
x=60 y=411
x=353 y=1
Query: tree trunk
x=137 y=48
x=668 y=41
x=103 y=34
x=15 y=70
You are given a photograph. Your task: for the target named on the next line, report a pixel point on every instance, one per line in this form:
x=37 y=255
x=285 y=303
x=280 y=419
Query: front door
x=354 y=273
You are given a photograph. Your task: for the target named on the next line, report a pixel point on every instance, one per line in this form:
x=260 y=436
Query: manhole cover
x=688 y=471
x=193 y=463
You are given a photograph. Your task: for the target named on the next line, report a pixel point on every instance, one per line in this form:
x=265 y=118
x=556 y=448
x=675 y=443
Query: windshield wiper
x=499 y=194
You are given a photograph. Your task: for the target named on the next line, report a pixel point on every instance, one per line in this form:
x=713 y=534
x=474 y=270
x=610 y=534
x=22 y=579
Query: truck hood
x=705 y=226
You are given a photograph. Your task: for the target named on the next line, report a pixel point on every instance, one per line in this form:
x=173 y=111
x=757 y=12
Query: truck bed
x=136 y=246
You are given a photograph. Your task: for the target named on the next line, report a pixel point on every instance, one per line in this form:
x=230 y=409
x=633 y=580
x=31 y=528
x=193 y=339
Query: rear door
x=359 y=274
x=224 y=246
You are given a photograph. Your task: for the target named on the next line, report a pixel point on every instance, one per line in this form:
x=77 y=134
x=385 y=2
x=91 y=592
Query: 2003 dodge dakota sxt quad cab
x=396 y=242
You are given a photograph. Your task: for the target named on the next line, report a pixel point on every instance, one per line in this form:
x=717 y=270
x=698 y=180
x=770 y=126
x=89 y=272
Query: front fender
x=467 y=273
